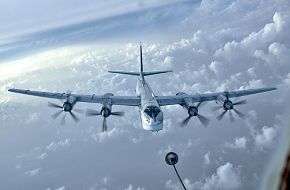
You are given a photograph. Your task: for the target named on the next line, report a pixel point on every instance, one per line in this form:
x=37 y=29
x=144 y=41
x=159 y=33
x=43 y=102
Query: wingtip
x=273 y=88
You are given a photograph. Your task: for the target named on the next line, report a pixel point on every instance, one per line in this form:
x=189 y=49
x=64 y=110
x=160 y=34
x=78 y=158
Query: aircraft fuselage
x=150 y=112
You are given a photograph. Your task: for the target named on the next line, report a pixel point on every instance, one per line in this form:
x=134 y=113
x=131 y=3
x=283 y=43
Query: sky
x=211 y=45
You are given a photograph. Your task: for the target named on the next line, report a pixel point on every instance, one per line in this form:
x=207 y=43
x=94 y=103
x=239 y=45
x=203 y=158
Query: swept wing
x=135 y=100
x=172 y=100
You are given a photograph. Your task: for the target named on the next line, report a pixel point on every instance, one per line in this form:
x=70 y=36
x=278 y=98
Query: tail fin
x=141 y=73
x=141 y=63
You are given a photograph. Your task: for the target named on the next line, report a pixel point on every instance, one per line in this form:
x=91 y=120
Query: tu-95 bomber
x=148 y=103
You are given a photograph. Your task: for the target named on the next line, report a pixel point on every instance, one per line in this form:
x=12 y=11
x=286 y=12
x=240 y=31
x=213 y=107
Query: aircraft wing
x=113 y=100
x=180 y=99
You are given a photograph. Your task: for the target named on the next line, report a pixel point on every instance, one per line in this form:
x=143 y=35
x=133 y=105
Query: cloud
x=266 y=137
x=53 y=146
x=213 y=49
x=206 y=158
x=61 y=188
x=33 y=172
x=226 y=177
x=111 y=133
x=239 y=143
x=42 y=156
x=277 y=54
x=130 y=187
x=32 y=118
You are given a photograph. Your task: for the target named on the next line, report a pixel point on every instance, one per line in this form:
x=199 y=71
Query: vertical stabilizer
x=141 y=73
x=141 y=63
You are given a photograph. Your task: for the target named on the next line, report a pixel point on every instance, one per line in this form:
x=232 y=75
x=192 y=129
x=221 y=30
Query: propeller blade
x=91 y=112
x=185 y=121
x=104 y=128
x=204 y=120
x=240 y=102
x=219 y=117
x=215 y=108
x=55 y=115
x=53 y=105
x=75 y=118
x=232 y=119
x=78 y=110
x=240 y=114
x=200 y=104
x=118 y=113
x=63 y=120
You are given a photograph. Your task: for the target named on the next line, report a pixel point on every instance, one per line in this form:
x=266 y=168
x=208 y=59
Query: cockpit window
x=152 y=111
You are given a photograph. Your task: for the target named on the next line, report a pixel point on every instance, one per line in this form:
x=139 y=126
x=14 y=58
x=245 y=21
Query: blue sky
x=211 y=46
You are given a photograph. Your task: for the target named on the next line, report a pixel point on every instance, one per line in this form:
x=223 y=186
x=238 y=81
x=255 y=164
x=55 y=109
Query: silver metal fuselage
x=150 y=112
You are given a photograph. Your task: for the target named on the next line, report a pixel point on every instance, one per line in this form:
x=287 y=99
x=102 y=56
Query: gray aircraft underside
x=148 y=103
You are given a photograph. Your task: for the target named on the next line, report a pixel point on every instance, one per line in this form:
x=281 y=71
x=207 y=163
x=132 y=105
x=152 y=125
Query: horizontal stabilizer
x=156 y=72
x=138 y=74
x=125 y=73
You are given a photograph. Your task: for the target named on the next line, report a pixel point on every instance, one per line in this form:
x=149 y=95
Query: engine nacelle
x=69 y=103
x=228 y=105
x=67 y=107
x=221 y=99
x=109 y=94
x=193 y=111
x=105 y=112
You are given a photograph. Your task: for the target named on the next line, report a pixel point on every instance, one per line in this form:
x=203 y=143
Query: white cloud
x=33 y=172
x=287 y=80
x=130 y=187
x=60 y=188
x=239 y=143
x=42 y=156
x=266 y=137
x=253 y=84
x=226 y=177
x=109 y=134
x=217 y=67
x=32 y=118
x=53 y=146
x=206 y=158
x=219 y=55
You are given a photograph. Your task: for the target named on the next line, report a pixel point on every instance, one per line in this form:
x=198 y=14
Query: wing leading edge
x=135 y=100
x=172 y=100
x=113 y=100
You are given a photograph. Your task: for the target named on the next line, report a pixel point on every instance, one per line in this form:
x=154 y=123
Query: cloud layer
x=218 y=46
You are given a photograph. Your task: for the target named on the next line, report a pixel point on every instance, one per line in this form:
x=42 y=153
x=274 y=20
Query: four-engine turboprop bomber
x=148 y=103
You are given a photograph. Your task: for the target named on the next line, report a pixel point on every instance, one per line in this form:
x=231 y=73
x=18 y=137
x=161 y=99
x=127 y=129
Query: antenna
x=171 y=158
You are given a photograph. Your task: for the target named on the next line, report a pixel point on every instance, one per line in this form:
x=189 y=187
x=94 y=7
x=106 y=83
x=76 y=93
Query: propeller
x=193 y=111
x=105 y=112
x=66 y=107
x=229 y=106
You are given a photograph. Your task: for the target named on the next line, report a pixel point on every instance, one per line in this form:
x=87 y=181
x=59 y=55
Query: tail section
x=141 y=73
x=141 y=63
x=138 y=73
